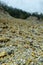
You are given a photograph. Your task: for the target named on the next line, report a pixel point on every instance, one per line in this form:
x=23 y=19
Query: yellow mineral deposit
x=2 y=54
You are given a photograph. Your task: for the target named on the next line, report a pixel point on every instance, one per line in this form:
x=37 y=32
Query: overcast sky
x=27 y=5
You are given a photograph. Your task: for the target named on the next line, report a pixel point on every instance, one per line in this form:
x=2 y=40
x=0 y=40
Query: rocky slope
x=21 y=41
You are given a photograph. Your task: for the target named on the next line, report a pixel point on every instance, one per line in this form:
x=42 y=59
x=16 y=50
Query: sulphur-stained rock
x=6 y=64
x=2 y=54
x=10 y=63
x=28 y=61
x=4 y=39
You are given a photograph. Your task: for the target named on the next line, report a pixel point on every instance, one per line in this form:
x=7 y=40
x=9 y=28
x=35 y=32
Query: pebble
x=2 y=54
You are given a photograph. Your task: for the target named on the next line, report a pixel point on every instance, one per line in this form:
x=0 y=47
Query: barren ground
x=21 y=41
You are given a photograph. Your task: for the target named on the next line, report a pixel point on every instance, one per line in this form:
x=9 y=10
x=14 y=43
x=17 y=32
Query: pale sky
x=27 y=5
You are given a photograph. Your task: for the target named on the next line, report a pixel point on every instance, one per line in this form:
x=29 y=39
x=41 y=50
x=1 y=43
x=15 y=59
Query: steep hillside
x=21 y=41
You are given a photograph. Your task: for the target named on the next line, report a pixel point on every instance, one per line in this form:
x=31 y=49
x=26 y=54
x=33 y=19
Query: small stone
x=28 y=61
x=3 y=64
x=33 y=54
x=2 y=54
x=41 y=59
x=0 y=29
x=4 y=39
